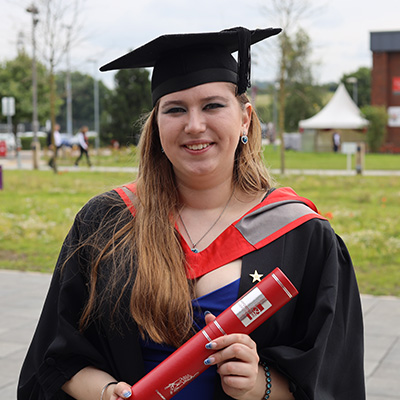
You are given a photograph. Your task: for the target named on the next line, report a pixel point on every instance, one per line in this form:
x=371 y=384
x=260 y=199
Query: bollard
x=1 y=177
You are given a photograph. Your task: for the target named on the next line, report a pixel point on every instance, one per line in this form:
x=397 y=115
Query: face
x=200 y=129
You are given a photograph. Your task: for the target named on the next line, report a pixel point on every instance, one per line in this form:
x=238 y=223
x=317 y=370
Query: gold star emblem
x=256 y=276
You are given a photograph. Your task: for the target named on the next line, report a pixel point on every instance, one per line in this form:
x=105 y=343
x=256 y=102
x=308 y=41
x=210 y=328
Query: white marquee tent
x=340 y=113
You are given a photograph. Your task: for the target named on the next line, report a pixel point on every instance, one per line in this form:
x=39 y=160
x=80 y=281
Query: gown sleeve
x=58 y=349
x=317 y=340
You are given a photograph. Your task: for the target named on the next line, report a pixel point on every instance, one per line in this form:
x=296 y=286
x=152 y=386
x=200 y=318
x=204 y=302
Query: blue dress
x=153 y=354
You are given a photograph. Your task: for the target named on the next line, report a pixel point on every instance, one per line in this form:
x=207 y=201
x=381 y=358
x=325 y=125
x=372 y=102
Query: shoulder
x=102 y=202
x=284 y=195
x=105 y=209
x=318 y=228
x=310 y=228
x=317 y=240
x=281 y=211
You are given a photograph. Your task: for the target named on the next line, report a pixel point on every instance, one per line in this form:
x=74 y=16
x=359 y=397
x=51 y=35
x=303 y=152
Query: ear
x=248 y=108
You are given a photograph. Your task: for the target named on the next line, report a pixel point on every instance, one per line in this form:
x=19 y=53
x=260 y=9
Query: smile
x=197 y=146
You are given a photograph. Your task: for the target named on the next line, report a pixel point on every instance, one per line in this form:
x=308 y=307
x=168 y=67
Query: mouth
x=199 y=146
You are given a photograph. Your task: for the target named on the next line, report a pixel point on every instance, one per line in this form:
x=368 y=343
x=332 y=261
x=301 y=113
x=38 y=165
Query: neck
x=206 y=198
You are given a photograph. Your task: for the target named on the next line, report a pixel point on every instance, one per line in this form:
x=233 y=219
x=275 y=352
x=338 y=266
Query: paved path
x=22 y=295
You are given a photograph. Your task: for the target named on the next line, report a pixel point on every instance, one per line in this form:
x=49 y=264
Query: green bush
x=376 y=133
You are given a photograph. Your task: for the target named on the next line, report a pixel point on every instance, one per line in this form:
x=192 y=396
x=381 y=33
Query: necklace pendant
x=193 y=248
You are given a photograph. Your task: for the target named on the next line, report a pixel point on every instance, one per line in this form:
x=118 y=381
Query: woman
x=200 y=226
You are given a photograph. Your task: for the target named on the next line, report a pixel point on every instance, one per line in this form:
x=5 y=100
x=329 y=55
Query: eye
x=174 y=110
x=213 y=106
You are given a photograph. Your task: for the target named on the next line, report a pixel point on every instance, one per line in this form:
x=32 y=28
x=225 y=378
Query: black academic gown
x=316 y=340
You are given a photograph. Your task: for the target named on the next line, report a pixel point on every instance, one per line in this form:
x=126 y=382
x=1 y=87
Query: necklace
x=194 y=245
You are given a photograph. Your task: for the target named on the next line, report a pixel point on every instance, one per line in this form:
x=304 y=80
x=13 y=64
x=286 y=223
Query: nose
x=195 y=122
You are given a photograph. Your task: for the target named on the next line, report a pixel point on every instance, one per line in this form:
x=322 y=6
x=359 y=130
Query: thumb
x=122 y=391
x=209 y=317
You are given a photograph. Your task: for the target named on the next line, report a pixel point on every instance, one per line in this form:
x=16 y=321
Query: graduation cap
x=182 y=61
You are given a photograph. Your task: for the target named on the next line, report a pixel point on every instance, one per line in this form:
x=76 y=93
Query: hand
x=237 y=360
x=120 y=391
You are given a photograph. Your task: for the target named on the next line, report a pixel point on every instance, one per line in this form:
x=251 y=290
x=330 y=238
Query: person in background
x=336 y=141
x=83 y=143
x=56 y=145
x=147 y=265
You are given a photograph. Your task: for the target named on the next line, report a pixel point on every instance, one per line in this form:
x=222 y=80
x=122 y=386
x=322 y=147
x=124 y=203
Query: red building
x=385 y=88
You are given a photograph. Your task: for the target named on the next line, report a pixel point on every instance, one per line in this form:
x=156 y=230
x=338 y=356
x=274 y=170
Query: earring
x=244 y=138
x=162 y=150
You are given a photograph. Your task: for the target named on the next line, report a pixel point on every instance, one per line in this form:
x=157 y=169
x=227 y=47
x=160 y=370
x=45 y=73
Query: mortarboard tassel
x=244 y=59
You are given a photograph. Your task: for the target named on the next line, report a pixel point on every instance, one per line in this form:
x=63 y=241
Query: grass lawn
x=364 y=211
x=37 y=209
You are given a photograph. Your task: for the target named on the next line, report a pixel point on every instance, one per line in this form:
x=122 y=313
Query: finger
x=228 y=340
x=122 y=391
x=235 y=368
x=209 y=317
x=236 y=351
x=236 y=382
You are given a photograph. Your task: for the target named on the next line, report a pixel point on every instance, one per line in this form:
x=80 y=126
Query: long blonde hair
x=160 y=299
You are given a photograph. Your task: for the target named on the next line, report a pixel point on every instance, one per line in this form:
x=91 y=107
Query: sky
x=106 y=29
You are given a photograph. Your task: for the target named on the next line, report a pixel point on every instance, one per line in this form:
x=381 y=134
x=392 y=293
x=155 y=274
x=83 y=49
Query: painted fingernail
x=209 y=360
x=127 y=394
x=207 y=312
x=211 y=345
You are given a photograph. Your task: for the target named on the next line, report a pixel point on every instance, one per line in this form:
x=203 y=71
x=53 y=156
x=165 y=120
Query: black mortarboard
x=182 y=61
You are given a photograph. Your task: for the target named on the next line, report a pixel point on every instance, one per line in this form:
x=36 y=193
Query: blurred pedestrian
x=336 y=141
x=83 y=143
x=55 y=144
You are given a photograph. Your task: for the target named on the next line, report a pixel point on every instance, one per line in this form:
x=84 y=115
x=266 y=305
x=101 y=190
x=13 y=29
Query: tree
x=376 y=133
x=362 y=85
x=82 y=99
x=303 y=98
x=130 y=100
x=55 y=41
x=16 y=81
x=289 y=13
